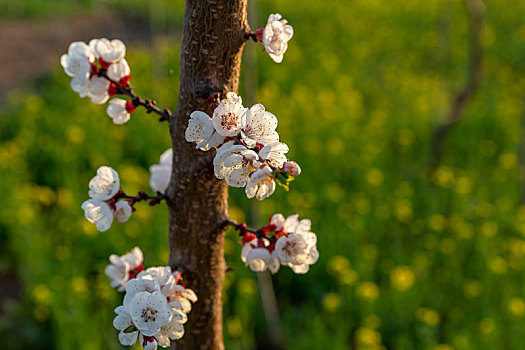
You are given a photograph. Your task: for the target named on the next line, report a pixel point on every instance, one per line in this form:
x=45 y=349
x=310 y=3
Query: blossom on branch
x=228 y=115
x=258 y=126
x=261 y=184
x=105 y=185
x=275 y=36
x=248 y=149
x=201 y=130
x=154 y=307
x=78 y=63
x=160 y=174
x=287 y=242
x=119 y=110
x=98 y=213
x=123 y=268
x=108 y=51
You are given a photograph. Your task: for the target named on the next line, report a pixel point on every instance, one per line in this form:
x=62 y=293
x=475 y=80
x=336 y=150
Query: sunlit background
x=411 y=258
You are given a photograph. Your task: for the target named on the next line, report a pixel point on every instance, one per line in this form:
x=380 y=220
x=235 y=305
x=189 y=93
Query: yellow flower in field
x=374 y=177
x=463 y=185
x=331 y=301
x=367 y=336
x=508 y=161
x=443 y=347
x=404 y=211
x=75 y=134
x=444 y=177
x=498 y=265
x=42 y=294
x=339 y=266
x=428 y=316
x=487 y=325
x=472 y=289
x=402 y=277
x=367 y=291
x=517 y=306
x=234 y=326
x=489 y=228
x=437 y=222
x=448 y=246
x=247 y=286
x=79 y=285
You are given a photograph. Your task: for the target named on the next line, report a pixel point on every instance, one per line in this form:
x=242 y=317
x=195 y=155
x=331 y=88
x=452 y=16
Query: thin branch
x=142 y=196
x=243 y=229
x=476 y=10
x=150 y=105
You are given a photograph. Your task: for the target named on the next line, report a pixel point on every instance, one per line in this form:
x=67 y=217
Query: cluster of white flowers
x=104 y=206
x=292 y=244
x=155 y=305
x=249 y=152
x=160 y=174
x=275 y=36
x=84 y=62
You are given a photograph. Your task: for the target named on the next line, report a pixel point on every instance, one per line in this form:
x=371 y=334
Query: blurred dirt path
x=30 y=48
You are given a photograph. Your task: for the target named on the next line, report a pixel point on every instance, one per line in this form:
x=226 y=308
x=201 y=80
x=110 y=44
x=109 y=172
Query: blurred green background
x=408 y=260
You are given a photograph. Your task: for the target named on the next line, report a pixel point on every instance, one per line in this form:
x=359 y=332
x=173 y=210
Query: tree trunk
x=212 y=44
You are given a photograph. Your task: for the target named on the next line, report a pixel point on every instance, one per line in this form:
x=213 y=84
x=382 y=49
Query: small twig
x=150 y=105
x=142 y=196
x=243 y=229
x=476 y=9
x=250 y=35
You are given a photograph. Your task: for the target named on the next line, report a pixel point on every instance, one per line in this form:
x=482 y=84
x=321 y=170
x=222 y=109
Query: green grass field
x=408 y=260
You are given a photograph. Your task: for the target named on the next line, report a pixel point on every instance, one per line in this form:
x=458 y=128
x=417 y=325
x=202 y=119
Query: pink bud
x=130 y=107
x=259 y=34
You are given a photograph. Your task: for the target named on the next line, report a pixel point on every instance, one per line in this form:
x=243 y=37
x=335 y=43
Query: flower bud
x=292 y=168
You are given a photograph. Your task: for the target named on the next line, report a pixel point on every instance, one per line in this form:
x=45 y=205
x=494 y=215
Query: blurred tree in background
x=408 y=260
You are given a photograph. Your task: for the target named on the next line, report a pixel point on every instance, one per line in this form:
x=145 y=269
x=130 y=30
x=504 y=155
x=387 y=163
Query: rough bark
x=212 y=44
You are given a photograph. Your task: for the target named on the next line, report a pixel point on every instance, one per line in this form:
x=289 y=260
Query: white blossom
x=123 y=211
x=274 y=153
x=122 y=322
x=118 y=70
x=110 y=51
x=292 y=249
x=258 y=259
x=228 y=115
x=149 y=312
x=276 y=35
x=261 y=184
x=163 y=276
x=105 y=185
x=297 y=248
x=258 y=126
x=77 y=64
x=121 y=266
x=201 y=130
x=172 y=331
x=160 y=174
x=183 y=296
x=274 y=264
x=98 y=90
x=98 y=213
x=247 y=248
x=120 y=110
x=235 y=163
